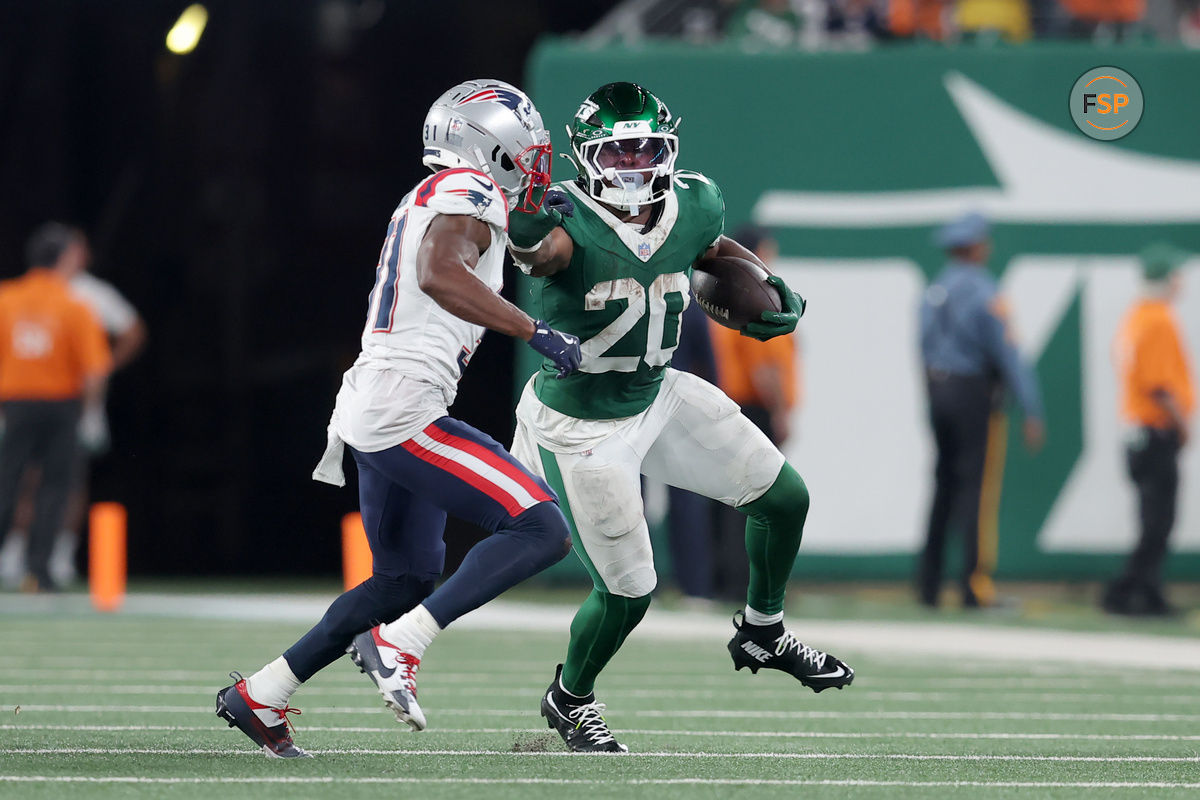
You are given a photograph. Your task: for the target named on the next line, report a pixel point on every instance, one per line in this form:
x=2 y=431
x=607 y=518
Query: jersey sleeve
x=115 y=313
x=710 y=205
x=464 y=192
x=992 y=315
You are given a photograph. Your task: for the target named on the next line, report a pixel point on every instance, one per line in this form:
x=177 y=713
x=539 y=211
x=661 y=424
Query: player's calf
x=772 y=647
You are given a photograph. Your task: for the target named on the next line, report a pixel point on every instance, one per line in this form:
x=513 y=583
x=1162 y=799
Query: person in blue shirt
x=969 y=359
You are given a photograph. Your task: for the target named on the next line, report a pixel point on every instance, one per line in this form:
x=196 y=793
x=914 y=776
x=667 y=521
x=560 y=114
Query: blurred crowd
x=779 y=24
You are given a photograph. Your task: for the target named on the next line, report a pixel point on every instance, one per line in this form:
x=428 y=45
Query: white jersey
x=413 y=350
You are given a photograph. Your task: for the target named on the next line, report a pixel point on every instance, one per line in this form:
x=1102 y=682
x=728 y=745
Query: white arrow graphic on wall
x=1046 y=175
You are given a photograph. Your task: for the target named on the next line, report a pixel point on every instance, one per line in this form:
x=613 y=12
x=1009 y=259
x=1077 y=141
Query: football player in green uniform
x=613 y=250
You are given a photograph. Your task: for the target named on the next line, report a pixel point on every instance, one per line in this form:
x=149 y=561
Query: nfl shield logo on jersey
x=643 y=251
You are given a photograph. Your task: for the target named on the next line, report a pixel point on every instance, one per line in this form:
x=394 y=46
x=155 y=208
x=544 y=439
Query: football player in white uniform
x=436 y=291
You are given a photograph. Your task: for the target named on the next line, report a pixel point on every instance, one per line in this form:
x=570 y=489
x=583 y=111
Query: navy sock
x=376 y=600
x=522 y=547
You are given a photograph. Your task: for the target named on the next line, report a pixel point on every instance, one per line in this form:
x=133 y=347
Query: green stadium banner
x=853 y=159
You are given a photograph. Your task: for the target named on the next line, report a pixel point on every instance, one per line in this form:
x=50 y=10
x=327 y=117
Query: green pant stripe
x=554 y=478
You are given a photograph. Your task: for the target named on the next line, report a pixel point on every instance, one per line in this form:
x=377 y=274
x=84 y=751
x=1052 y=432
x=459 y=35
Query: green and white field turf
x=1056 y=703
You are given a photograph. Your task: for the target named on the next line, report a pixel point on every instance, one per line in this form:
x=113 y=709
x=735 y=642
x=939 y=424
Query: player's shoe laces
x=580 y=722
x=786 y=653
x=266 y=726
x=394 y=671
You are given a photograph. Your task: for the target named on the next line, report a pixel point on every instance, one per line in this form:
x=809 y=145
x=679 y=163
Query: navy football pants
x=405 y=493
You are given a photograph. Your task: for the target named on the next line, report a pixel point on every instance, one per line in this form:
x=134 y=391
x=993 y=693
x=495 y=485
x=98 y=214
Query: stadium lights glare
x=186 y=32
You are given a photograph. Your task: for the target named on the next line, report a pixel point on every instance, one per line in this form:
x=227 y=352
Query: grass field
x=122 y=706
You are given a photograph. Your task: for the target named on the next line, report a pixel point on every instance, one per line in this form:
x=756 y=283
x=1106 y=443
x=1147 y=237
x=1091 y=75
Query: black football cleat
x=579 y=721
x=267 y=727
x=816 y=670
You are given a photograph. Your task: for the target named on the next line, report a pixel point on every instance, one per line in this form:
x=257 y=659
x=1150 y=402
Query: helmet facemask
x=630 y=171
x=534 y=163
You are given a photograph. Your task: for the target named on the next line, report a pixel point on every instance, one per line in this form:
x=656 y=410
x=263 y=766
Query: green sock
x=773 y=529
x=597 y=632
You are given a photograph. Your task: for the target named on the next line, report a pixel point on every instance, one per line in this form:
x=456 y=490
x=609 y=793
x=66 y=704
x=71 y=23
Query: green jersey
x=622 y=295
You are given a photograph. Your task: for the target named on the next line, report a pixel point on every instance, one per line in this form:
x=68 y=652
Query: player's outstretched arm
x=537 y=243
x=550 y=256
x=446 y=272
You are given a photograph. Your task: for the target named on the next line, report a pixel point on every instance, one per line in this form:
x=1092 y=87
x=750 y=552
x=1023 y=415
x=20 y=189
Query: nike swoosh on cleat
x=839 y=673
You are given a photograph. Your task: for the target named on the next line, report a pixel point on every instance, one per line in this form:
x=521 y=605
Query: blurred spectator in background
x=127 y=336
x=1158 y=398
x=989 y=20
x=691 y=516
x=923 y=19
x=1105 y=20
x=765 y=23
x=969 y=356
x=54 y=363
x=762 y=378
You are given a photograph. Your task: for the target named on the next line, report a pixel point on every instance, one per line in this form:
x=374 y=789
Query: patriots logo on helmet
x=508 y=99
x=521 y=106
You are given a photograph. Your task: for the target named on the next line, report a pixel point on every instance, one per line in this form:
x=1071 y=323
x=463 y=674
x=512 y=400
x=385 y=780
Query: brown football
x=733 y=291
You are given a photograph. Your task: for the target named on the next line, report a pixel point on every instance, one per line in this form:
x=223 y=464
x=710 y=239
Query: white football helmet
x=493 y=127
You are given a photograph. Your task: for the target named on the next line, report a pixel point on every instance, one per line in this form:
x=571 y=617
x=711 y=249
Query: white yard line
x=687 y=714
x=395 y=730
x=611 y=782
x=366 y=751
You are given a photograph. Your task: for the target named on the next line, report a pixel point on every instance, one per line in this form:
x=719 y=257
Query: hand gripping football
x=733 y=291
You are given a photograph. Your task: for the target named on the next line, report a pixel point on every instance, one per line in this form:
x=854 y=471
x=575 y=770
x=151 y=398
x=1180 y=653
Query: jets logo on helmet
x=491 y=126
x=624 y=145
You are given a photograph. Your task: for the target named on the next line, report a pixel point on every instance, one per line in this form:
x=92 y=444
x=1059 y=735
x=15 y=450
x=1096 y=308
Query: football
x=733 y=291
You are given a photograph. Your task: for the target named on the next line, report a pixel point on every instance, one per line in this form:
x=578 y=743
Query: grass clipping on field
x=533 y=743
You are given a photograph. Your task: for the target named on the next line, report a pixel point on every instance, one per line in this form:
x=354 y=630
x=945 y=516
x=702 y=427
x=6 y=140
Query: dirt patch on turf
x=533 y=743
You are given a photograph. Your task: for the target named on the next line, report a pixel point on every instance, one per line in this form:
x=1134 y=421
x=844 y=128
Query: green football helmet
x=624 y=144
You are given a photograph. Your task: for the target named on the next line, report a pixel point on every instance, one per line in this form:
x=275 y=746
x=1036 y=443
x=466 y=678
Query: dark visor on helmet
x=641 y=153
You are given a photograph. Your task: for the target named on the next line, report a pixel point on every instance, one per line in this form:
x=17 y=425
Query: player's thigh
x=601 y=492
x=464 y=472
x=403 y=530
x=710 y=448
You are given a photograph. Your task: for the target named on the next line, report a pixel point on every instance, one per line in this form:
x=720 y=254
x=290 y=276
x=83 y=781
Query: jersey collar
x=643 y=246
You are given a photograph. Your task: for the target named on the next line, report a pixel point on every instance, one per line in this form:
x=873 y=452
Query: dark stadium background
x=238 y=196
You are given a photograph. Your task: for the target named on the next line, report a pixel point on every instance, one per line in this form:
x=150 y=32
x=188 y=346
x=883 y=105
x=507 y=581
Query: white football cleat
x=394 y=671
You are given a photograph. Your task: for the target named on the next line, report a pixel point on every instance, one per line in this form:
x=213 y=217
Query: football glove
x=526 y=231
x=561 y=348
x=777 y=323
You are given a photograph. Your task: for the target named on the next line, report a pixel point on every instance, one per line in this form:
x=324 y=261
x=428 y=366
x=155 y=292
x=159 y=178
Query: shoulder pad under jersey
x=467 y=192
